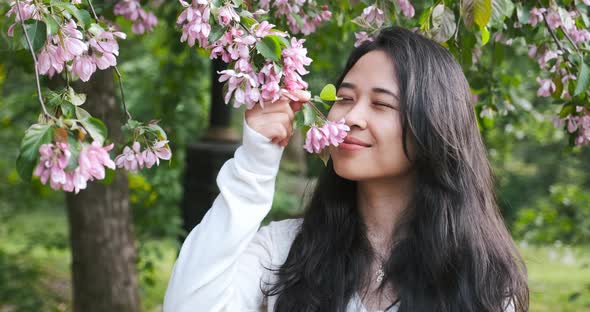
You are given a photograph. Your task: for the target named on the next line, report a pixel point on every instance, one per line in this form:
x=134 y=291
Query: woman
x=403 y=218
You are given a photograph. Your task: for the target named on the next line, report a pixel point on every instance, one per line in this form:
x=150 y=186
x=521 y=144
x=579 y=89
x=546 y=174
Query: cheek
x=389 y=155
x=336 y=112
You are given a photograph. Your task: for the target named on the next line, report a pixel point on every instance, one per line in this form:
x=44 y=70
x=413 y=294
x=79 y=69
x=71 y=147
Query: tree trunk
x=104 y=273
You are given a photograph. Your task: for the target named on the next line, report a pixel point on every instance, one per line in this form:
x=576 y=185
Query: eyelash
x=376 y=103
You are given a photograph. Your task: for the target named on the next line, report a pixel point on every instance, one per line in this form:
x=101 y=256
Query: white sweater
x=219 y=267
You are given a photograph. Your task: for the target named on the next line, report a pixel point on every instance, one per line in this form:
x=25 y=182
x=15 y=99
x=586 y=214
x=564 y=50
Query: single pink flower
x=315 y=140
x=131 y=158
x=373 y=15
x=93 y=159
x=536 y=15
x=361 y=37
x=53 y=160
x=227 y=14
x=406 y=7
x=162 y=150
x=547 y=87
x=553 y=19
x=83 y=66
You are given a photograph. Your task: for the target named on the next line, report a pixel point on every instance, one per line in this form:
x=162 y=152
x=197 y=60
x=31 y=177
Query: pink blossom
x=361 y=37
x=194 y=21
x=295 y=57
x=579 y=35
x=27 y=10
x=131 y=158
x=536 y=15
x=330 y=133
x=572 y=123
x=547 y=87
x=52 y=161
x=532 y=50
x=83 y=67
x=105 y=48
x=227 y=14
x=71 y=43
x=294 y=61
x=131 y=10
x=406 y=7
x=243 y=86
x=547 y=56
x=372 y=14
x=315 y=140
x=50 y=59
x=269 y=80
x=553 y=19
x=335 y=132
x=162 y=150
x=93 y=159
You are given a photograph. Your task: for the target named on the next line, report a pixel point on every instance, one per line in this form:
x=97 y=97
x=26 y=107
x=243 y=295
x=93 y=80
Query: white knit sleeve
x=219 y=267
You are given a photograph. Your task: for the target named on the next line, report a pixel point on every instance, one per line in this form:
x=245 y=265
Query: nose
x=356 y=116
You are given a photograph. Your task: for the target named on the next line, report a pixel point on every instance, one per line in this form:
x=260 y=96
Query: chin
x=348 y=171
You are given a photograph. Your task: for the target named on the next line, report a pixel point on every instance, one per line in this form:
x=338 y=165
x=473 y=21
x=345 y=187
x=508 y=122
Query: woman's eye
x=345 y=100
x=383 y=104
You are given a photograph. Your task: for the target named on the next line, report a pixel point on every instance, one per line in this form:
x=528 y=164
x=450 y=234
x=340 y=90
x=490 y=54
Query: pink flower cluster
x=249 y=87
x=61 y=48
x=554 y=20
x=99 y=51
x=287 y=9
x=194 y=21
x=133 y=159
x=54 y=159
x=131 y=10
x=27 y=10
x=331 y=133
x=578 y=123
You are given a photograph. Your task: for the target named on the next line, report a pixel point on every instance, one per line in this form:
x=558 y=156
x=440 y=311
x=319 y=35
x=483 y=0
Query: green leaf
x=500 y=10
x=299 y=120
x=28 y=154
x=477 y=11
x=247 y=21
x=52 y=25
x=82 y=16
x=82 y=113
x=37 y=34
x=485 y=36
x=159 y=131
x=308 y=114
x=216 y=33
x=95 y=128
x=76 y=99
x=270 y=48
x=567 y=110
x=443 y=23
x=328 y=93
x=583 y=81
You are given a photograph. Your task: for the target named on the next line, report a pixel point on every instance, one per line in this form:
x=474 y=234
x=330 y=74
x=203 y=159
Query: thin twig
x=22 y=23
x=119 y=78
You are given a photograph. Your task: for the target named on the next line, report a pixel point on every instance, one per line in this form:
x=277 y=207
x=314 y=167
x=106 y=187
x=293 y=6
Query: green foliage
x=34 y=137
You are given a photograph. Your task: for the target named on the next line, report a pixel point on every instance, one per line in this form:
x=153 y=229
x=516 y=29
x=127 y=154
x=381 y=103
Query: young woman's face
x=370 y=107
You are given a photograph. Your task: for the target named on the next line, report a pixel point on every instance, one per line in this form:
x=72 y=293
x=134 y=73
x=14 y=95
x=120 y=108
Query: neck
x=380 y=203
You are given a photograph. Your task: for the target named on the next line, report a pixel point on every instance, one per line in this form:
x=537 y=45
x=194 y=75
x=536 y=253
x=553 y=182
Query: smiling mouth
x=351 y=146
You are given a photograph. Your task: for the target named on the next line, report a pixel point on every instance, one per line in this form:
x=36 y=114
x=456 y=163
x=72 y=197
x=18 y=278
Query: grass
x=33 y=251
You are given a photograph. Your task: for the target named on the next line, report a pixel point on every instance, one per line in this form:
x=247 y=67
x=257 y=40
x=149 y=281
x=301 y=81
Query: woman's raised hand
x=275 y=121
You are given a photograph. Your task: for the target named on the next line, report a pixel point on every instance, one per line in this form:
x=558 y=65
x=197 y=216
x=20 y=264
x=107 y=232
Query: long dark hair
x=451 y=249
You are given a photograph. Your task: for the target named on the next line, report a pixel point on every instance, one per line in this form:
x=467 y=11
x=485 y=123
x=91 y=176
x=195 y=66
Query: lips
x=355 y=141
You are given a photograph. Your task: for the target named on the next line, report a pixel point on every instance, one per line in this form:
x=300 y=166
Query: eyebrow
x=349 y=85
